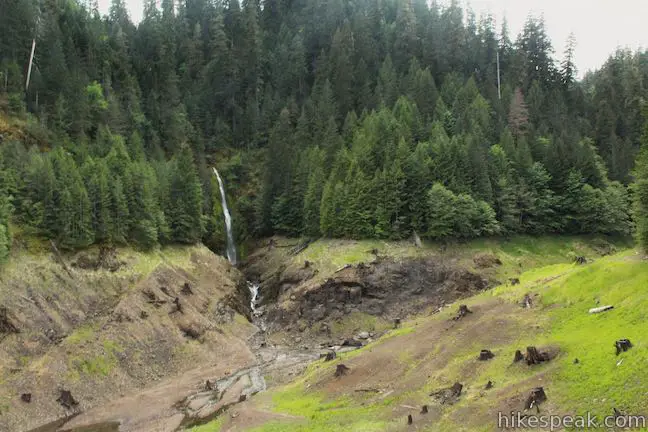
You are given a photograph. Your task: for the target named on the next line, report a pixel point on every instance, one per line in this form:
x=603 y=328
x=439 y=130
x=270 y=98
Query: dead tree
x=622 y=345
x=518 y=356
x=341 y=370
x=66 y=399
x=463 y=311
x=536 y=397
x=485 y=355
x=533 y=356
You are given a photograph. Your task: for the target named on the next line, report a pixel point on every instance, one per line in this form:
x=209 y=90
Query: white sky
x=600 y=26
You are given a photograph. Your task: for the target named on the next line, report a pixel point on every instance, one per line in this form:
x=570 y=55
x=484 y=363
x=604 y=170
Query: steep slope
x=395 y=376
x=106 y=324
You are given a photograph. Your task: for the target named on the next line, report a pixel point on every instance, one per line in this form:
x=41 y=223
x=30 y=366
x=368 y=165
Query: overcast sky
x=600 y=26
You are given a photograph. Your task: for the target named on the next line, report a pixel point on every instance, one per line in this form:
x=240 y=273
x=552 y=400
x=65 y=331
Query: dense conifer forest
x=341 y=118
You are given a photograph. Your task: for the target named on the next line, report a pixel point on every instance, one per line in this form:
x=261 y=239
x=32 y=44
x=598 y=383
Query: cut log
x=518 y=356
x=485 y=355
x=533 y=356
x=66 y=399
x=622 y=345
x=341 y=370
x=601 y=309
x=536 y=397
x=463 y=311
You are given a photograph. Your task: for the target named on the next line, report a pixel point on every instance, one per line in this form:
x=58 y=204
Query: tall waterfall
x=231 y=246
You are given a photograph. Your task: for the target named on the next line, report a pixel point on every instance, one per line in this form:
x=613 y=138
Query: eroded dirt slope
x=106 y=324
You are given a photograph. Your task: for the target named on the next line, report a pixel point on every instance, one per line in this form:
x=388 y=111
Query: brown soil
x=96 y=332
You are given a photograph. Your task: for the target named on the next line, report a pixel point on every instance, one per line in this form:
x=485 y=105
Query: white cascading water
x=231 y=247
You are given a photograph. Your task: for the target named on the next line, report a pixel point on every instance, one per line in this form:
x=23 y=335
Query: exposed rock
x=363 y=335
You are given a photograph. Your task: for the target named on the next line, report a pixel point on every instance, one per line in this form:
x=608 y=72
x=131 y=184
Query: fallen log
x=448 y=395
x=601 y=309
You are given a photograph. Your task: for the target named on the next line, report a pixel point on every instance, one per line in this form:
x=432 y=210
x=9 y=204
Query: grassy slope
x=560 y=319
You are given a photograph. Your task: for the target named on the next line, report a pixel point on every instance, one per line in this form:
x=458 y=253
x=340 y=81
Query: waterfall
x=231 y=247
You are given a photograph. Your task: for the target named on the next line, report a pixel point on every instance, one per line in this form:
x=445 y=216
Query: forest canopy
x=355 y=119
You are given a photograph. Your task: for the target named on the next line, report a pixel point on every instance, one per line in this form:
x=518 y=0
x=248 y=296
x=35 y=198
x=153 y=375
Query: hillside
x=395 y=375
x=105 y=324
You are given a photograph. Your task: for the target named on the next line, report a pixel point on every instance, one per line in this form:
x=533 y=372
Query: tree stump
x=6 y=326
x=527 y=303
x=536 y=397
x=307 y=264
x=66 y=399
x=242 y=398
x=489 y=385
x=341 y=370
x=397 y=323
x=580 y=260
x=410 y=420
x=424 y=409
x=176 y=302
x=622 y=345
x=533 y=356
x=463 y=311
x=486 y=355
x=518 y=356
x=514 y=281
x=330 y=356
x=26 y=397
x=186 y=289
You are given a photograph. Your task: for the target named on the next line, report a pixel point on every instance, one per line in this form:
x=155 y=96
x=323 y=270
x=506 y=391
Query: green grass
x=214 y=426
x=95 y=365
